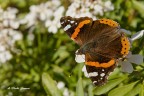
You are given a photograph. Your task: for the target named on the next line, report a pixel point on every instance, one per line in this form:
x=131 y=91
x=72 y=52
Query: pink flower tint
x=126 y=65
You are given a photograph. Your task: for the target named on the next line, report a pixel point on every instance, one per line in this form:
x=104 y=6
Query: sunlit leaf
x=50 y=85
x=123 y=90
x=138 y=6
x=114 y=74
x=79 y=88
x=90 y=90
x=111 y=84
x=141 y=93
x=135 y=90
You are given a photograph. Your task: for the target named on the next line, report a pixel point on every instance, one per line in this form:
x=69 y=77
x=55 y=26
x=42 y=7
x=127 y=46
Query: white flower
x=9 y=33
x=132 y=58
x=60 y=85
x=126 y=64
x=108 y=6
x=5 y=56
x=52 y=29
x=137 y=35
x=9 y=19
x=48 y=13
x=14 y=24
x=54 y=24
x=66 y=92
x=98 y=9
x=30 y=36
x=2 y=48
x=81 y=8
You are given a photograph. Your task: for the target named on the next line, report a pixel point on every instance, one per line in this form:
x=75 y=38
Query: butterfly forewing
x=77 y=28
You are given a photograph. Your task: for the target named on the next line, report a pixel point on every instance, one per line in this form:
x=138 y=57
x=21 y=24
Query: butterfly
x=101 y=41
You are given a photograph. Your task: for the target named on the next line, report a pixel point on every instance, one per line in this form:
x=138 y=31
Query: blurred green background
x=44 y=61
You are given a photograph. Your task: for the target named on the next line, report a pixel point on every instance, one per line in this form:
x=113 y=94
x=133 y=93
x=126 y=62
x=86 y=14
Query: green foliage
x=79 y=88
x=50 y=85
x=123 y=90
x=49 y=58
x=110 y=85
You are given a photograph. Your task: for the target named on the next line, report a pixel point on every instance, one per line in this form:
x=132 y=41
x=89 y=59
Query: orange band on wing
x=109 y=22
x=104 y=65
x=125 y=46
x=77 y=30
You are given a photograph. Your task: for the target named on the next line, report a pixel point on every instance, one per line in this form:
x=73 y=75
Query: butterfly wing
x=100 y=41
x=84 y=29
x=102 y=52
x=99 y=75
x=77 y=28
x=99 y=67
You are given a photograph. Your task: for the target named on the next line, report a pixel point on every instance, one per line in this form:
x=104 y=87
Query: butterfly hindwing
x=98 y=67
x=99 y=75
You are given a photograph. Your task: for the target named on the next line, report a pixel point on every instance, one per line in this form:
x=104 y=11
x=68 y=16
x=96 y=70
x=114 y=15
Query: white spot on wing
x=93 y=74
x=102 y=74
x=94 y=82
x=102 y=69
x=71 y=21
x=62 y=22
x=67 y=27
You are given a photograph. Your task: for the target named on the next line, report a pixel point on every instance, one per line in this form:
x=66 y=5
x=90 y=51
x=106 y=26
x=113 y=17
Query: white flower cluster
x=8 y=32
x=49 y=13
x=90 y=8
x=8 y=18
x=61 y=86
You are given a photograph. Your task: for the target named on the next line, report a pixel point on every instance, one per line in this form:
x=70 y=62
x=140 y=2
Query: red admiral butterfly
x=101 y=41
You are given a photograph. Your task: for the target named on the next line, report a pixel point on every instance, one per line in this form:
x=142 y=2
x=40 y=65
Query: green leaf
x=135 y=90
x=49 y=85
x=111 y=84
x=121 y=91
x=142 y=90
x=79 y=88
x=90 y=90
x=60 y=55
x=114 y=74
x=139 y=6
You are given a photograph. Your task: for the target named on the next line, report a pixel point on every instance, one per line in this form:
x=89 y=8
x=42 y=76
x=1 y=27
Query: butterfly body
x=101 y=41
